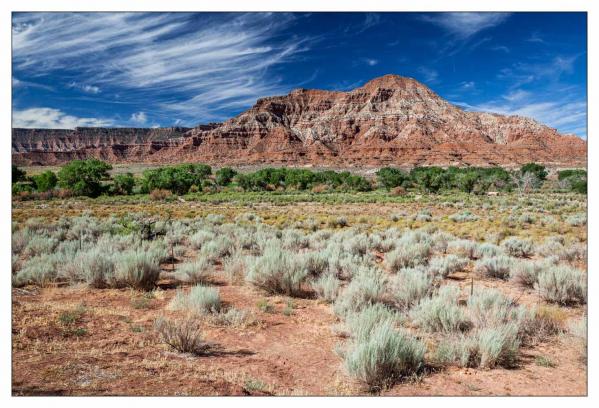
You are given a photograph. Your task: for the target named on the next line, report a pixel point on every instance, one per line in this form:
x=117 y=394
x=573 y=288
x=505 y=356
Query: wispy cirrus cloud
x=53 y=119
x=166 y=60
x=87 y=88
x=465 y=25
x=429 y=75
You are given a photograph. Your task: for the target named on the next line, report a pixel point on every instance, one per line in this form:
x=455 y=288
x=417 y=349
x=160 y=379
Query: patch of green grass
x=264 y=306
x=544 y=361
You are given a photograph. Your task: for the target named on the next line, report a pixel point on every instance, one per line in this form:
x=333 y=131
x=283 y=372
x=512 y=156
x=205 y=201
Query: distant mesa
x=391 y=120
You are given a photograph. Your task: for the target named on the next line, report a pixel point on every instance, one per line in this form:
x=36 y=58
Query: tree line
x=91 y=178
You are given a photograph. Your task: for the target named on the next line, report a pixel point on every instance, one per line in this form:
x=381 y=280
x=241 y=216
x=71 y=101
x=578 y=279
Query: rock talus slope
x=391 y=120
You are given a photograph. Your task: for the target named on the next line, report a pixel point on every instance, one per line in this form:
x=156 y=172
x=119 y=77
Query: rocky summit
x=390 y=121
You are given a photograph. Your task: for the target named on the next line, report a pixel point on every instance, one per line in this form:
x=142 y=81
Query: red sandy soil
x=290 y=355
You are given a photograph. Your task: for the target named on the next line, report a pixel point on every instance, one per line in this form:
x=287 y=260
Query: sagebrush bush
x=39 y=270
x=497 y=267
x=465 y=216
x=384 y=357
x=490 y=307
x=498 y=345
x=183 y=335
x=518 y=247
x=526 y=273
x=135 y=269
x=366 y=288
x=487 y=250
x=577 y=220
x=441 y=312
x=360 y=324
x=443 y=266
x=200 y=299
x=327 y=287
x=200 y=238
x=408 y=255
x=277 y=271
x=217 y=249
x=234 y=268
x=409 y=286
x=197 y=271
x=563 y=284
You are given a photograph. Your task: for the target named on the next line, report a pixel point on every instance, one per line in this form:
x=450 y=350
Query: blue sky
x=163 y=69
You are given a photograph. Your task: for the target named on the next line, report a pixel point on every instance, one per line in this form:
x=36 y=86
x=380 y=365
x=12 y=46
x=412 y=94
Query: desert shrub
x=526 y=273
x=327 y=287
x=123 y=184
x=158 y=194
x=424 y=215
x=360 y=324
x=366 y=288
x=95 y=267
x=384 y=357
x=276 y=271
x=408 y=255
x=339 y=222
x=409 y=286
x=463 y=247
x=232 y=317
x=234 y=268
x=45 y=181
x=496 y=267
x=38 y=270
x=294 y=239
x=498 y=345
x=217 y=249
x=443 y=266
x=489 y=307
x=543 y=322
x=486 y=249
x=315 y=263
x=460 y=349
x=84 y=177
x=40 y=244
x=563 y=284
x=198 y=239
x=215 y=219
x=441 y=312
x=200 y=299
x=463 y=217
x=197 y=271
x=135 y=268
x=518 y=247
x=183 y=335
x=577 y=220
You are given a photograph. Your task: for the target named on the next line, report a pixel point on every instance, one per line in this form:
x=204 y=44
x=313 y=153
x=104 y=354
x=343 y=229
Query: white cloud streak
x=139 y=117
x=193 y=70
x=465 y=25
x=53 y=119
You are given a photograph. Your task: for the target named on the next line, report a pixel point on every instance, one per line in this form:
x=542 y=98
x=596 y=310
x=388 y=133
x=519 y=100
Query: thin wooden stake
x=471 y=285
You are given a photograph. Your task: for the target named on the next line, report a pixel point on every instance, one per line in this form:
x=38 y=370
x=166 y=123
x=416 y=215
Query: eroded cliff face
x=391 y=120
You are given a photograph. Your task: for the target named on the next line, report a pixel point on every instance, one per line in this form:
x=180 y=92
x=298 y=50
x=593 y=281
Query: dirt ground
x=118 y=352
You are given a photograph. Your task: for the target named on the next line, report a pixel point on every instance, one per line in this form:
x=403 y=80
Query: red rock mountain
x=391 y=120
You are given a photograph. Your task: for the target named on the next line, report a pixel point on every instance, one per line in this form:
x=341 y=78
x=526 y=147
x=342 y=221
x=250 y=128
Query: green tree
x=390 y=177
x=177 y=179
x=431 y=179
x=224 y=176
x=45 y=181
x=84 y=177
x=534 y=168
x=123 y=184
x=17 y=174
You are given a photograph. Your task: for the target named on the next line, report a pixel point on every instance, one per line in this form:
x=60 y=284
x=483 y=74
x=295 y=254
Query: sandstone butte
x=390 y=121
